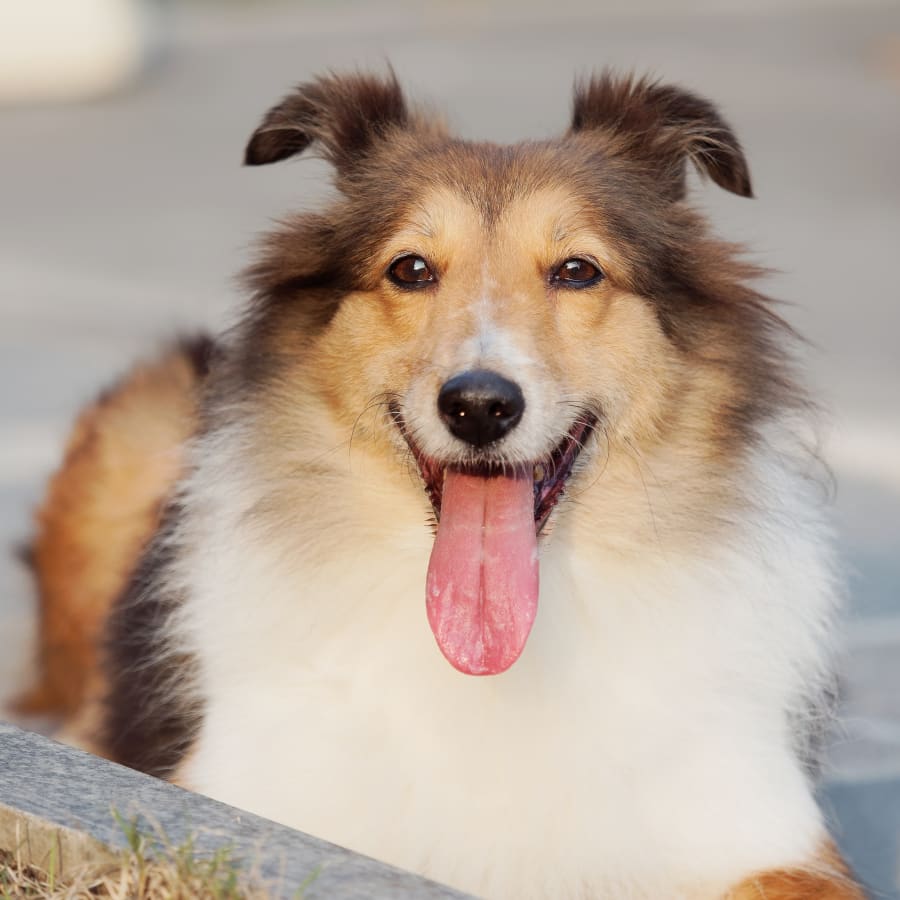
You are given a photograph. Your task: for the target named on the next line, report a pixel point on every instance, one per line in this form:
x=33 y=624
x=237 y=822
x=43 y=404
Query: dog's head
x=515 y=312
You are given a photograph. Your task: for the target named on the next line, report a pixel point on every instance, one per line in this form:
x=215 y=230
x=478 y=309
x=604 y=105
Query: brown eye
x=410 y=272
x=577 y=273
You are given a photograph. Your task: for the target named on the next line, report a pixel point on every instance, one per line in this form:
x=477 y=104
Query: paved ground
x=123 y=220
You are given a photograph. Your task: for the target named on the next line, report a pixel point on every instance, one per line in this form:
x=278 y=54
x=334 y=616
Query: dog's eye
x=410 y=271
x=577 y=273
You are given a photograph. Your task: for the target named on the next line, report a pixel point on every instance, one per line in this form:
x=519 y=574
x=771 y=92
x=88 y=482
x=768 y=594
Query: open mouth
x=482 y=585
x=549 y=474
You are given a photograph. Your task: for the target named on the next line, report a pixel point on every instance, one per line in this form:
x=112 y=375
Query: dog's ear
x=664 y=126
x=345 y=115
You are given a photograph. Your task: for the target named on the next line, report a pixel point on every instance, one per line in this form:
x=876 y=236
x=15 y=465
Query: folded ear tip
x=251 y=158
x=737 y=181
x=269 y=145
x=344 y=114
x=258 y=151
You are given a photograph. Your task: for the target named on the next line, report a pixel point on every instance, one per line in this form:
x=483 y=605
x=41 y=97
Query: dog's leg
x=827 y=877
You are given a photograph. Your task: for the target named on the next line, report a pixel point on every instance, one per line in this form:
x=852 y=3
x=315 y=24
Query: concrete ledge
x=58 y=800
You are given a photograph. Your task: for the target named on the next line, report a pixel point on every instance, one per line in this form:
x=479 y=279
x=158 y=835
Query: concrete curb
x=58 y=800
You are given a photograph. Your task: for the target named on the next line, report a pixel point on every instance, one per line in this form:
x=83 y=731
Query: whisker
x=636 y=456
x=378 y=401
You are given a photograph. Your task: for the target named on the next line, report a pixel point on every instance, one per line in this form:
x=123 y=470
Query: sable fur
x=101 y=509
x=345 y=116
x=665 y=127
x=826 y=879
x=654 y=737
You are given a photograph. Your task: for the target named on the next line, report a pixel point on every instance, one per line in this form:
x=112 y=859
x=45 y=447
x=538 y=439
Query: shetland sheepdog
x=486 y=544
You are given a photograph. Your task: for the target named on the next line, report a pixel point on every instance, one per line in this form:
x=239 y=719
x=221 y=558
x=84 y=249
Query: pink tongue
x=482 y=584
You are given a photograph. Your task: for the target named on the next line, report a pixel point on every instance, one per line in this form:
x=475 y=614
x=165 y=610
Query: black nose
x=480 y=406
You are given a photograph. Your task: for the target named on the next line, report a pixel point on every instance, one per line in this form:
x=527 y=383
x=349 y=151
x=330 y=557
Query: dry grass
x=133 y=879
x=151 y=869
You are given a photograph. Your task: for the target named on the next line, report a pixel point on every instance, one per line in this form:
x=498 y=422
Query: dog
x=488 y=542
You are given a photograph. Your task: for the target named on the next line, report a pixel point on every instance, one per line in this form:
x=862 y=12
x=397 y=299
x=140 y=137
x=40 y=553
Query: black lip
x=548 y=489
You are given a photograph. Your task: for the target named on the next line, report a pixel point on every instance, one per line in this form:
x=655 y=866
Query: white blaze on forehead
x=492 y=344
x=488 y=289
x=496 y=347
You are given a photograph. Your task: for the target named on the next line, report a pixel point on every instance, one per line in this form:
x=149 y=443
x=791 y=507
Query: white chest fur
x=639 y=748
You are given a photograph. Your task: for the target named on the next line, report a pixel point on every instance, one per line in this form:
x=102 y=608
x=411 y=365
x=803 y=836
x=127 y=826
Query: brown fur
x=101 y=508
x=628 y=141
x=664 y=127
x=827 y=878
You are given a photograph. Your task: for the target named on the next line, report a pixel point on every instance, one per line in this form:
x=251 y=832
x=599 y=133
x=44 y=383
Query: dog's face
x=509 y=314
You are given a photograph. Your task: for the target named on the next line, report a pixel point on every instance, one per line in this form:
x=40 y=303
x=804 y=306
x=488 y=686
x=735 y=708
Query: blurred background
x=124 y=214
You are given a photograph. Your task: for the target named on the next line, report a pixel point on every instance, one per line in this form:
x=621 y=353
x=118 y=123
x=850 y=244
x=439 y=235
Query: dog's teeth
x=538 y=473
